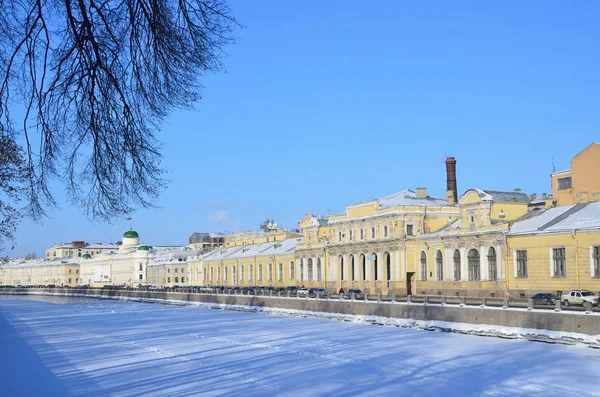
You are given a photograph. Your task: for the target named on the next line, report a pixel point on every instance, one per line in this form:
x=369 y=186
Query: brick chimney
x=421 y=192
x=451 y=191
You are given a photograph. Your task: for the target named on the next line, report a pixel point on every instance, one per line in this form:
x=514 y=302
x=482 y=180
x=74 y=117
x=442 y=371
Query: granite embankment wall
x=521 y=318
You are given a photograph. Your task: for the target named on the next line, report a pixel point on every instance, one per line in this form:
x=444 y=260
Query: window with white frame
x=340 y=236
x=280 y=272
x=259 y=272
x=521 y=263
x=559 y=262
x=270 y=272
x=309 y=269
x=492 y=264
x=350 y=235
x=474 y=265
x=564 y=183
x=362 y=235
x=373 y=233
x=423 y=266
x=291 y=270
x=225 y=273
x=301 y=270
x=410 y=230
x=596 y=260
x=318 y=269
x=218 y=274
x=250 y=272
x=456 y=259
x=439 y=266
x=385 y=231
x=242 y=273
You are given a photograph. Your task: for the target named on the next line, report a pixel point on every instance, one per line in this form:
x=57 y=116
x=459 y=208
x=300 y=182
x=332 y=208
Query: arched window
x=318 y=269
x=474 y=266
x=341 y=260
x=364 y=267
x=375 y=273
x=423 y=266
x=351 y=262
x=388 y=266
x=456 y=259
x=492 y=264
x=439 y=266
x=309 y=269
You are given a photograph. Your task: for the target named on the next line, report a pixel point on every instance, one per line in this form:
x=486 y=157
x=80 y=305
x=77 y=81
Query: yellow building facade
x=265 y=263
x=60 y=272
x=580 y=183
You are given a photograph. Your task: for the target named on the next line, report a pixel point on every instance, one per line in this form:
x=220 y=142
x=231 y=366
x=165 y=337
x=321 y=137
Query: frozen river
x=55 y=346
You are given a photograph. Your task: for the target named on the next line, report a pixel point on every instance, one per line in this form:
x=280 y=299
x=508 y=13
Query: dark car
x=319 y=291
x=354 y=291
x=543 y=299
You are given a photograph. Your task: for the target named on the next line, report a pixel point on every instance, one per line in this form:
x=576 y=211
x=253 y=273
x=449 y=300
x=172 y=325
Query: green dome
x=86 y=256
x=131 y=234
x=143 y=248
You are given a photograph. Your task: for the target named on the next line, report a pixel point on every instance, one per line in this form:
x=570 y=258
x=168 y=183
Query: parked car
x=354 y=291
x=578 y=297
x=544 y=299
x=319 y=291
x=302 y=291
x=291 y=289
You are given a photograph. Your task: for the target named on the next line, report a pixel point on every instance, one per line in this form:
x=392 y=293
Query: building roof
x=172 y=257
x=247 y=251
x=503 y=197
x=54 y=262
x=583 y=216
x=408 y=197
x=131 y=234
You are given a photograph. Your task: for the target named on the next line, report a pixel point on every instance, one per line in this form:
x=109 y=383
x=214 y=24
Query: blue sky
x=323 y=104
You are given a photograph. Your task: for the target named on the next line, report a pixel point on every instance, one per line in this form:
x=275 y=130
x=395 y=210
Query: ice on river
x=80 y=346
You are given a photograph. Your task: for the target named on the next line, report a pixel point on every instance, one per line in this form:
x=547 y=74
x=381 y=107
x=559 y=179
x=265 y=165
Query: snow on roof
x=171 y=257
x=54 y=262
x=246 y=251
x=502 y=197
x=566 y=218
x=456 y=224
x=408 y=197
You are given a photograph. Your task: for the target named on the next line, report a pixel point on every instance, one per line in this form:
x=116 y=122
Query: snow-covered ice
x=57 y=346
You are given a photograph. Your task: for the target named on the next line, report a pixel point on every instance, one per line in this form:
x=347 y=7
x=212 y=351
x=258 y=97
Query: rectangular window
x=291 y=270
x=280 y=272
x=141 y=277
x=385 y=233
x=69 y=281
x=596 y=260
x=176 y=279
x=183 y=270
x=564 y=183
x=168 y=279
x=226 y=273
x=70 y=270
x=183 y=279
x=339 y=236
x=559 y=261
x=141 y=267
x=218 y=274
x=204 y=276
x=259 y=272
x=169 y=270
x=250 y=272
x=521 y=263
x=362 y=237
x=270 y=272
x=409 y=230
x=242 y=273
x=350 y=235
x=373 y=233
x=176 y=270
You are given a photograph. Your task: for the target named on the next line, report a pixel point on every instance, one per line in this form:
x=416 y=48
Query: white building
x=125 y=266
x=170 y=268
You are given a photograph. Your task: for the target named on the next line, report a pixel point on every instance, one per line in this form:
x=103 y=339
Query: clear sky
x=326 y=103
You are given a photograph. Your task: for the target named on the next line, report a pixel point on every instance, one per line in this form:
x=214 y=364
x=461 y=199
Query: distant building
x=206 y=242
x=580 y=183
x=60 y=272
x=76 y=249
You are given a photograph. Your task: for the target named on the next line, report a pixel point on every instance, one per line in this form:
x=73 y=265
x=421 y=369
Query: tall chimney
x=451 y=192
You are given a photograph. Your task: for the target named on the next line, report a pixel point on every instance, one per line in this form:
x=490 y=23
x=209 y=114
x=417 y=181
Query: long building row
x=484 y=243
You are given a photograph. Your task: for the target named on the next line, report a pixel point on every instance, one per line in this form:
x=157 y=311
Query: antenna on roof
x=553 y=167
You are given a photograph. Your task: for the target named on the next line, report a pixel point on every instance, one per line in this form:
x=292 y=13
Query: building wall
x=540 y=278
x=44 y=274
x=585 y=184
